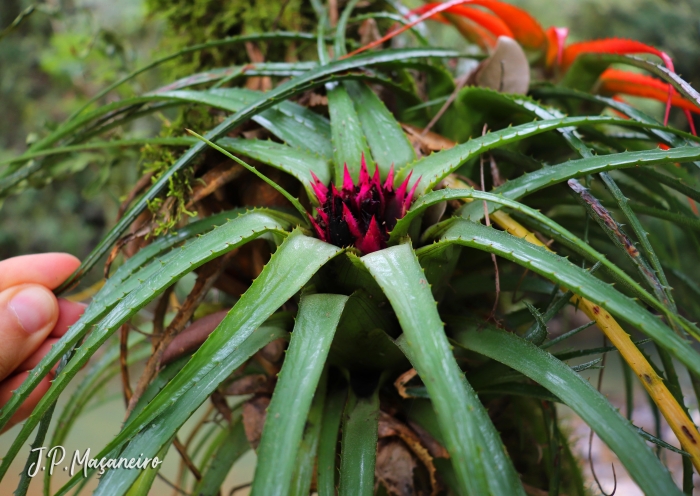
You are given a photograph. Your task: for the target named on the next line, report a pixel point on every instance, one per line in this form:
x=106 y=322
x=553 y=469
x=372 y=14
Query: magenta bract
x=360 y=215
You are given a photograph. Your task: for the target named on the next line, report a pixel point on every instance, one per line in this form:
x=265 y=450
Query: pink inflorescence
x=360 y=215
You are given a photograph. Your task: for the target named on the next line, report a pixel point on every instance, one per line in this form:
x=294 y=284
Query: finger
x=68 y=313
x=9 y=385
x=28 y=314
x=34 y=359
x=46 y=269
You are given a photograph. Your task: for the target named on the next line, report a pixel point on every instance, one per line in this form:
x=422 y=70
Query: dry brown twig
x=402 y=380
x=182 y=450
x=123 y=350
x=209 y=273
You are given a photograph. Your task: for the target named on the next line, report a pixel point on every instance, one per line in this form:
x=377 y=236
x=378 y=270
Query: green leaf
x=349 y=143
x=430 y=170
x=294 y=161
x=297 y=85
x=293 y=200
x=279 y=35
x=565 y=273
x=99 y=145
x=534 y=181
x=587 y=67
x=359 y=445
x=387 y=141
x=298 y=163
x=362 y=341
x=669 y=138
x=233 y=445
x=306 y=456
x=145 y=479
x=339 y=41
x=162 y=427
x=563 y=234
x=580 y=396
x=207 y=247
x=313 y=332
x=296 y=125
x=97 y=376
x=328 y=442
x=475 y=447
x=124 y=280
x=296 y=260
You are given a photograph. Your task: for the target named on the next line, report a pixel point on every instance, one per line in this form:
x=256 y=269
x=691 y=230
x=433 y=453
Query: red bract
x=360 y=215
x=479 y=26
x=508 y=20
x=633 y=84
x=613 y=46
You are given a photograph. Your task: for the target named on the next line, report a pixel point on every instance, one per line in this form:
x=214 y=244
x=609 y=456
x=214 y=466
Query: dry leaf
x=273 y=351
x=251 y=384
x=435 y=449
x=431 y=142
x=402 y=380
x=254 y=414
x=192 y=337
x=390 y=427
x=394 y=468
x=506 y=70
x=368 y=32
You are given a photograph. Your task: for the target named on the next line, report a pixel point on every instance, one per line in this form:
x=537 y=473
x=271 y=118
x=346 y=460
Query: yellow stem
x=675 y=415
x=87 y=292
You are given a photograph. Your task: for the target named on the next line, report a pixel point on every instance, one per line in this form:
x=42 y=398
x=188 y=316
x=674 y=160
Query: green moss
x=190 y=22
x=169 y=208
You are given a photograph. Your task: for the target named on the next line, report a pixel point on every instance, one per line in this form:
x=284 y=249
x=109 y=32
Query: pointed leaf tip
x=389 y=183
x=372 y=240
x=348 y=184
x=364 y=175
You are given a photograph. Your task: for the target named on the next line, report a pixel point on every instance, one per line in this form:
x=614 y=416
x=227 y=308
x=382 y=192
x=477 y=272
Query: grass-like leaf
x=312 y=78
x=149 y=440
x=534 y=181
x=433 y=168
x=565 y=273
x=328 y=441
x=232 y=446
x=219 y=241
x=577 y=393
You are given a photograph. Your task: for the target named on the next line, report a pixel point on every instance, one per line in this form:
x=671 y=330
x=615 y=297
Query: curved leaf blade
x=433 y=168
x=616 y=431
x=296 y=260
x=359 y=446
x=313 y=332
x=475 y=447
x=217 y=242
x=534 y=181
x=163 y=427
x=565 y=273
x=349 y=142
x=298 y=163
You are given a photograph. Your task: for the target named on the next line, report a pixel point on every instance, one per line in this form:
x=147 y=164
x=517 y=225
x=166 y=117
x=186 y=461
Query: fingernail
x=33 y=307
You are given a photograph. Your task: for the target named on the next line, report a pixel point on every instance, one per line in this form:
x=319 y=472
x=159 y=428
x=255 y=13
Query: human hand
x=32 y=320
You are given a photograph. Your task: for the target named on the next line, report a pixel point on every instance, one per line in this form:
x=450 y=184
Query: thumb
x=28 y=313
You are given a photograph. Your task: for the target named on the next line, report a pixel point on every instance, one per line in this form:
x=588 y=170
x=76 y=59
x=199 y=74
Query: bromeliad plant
x=401 y=375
